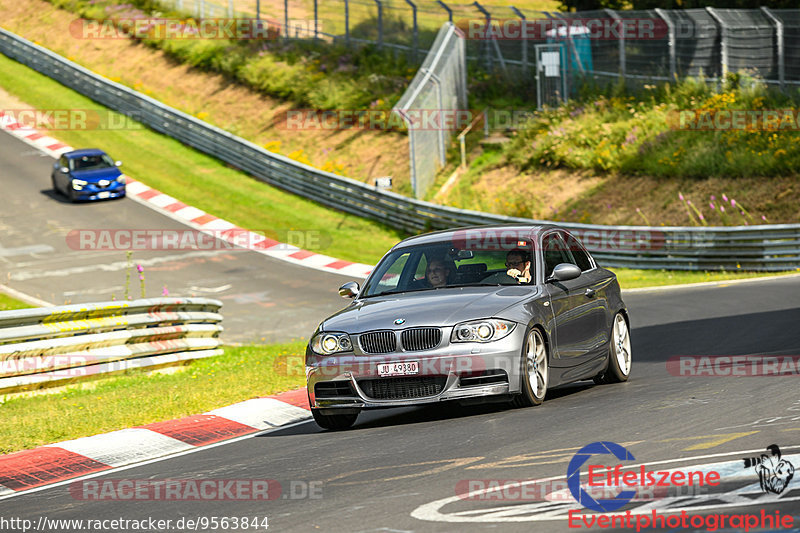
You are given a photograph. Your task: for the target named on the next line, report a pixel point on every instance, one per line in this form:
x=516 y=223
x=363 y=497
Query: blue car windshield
x=442 y=265
x=91 y=162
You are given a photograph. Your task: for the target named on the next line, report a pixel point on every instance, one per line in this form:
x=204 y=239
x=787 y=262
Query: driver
x=437 y=273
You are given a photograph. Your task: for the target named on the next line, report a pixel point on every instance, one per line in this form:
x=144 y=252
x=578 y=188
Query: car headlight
x=327 y=343
x=487 y=330
x=78 y=184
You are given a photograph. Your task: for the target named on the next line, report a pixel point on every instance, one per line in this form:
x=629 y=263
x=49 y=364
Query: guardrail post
x=619 y=20
x=449 y=11
x=416 y=28
x=779 y=35
x=723 y=40
x=380 y=24
x=673 y=45
x=523 y=37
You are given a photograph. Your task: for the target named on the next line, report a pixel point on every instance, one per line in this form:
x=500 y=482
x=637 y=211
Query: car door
x=578 y=314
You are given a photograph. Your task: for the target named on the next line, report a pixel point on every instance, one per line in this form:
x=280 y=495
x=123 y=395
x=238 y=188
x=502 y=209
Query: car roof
x=84 y=151
x=528 y=230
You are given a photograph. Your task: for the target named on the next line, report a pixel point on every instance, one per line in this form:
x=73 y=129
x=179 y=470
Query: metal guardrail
x=51 y=345
x=763 y=247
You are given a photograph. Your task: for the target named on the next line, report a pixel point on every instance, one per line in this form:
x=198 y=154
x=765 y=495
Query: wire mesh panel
x=790 y=18
x=433 y=106
x=748 y=41
x=646 y=39
x=697 y=42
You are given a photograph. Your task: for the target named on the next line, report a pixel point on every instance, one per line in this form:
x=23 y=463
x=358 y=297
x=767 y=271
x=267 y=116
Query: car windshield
x=91 y=162
x=447 y=264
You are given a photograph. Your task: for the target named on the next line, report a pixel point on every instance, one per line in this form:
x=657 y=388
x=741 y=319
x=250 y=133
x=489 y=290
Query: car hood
x=439 y=307
x=93 y=176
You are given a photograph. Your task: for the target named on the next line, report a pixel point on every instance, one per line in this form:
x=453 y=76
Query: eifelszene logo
x=774 y=473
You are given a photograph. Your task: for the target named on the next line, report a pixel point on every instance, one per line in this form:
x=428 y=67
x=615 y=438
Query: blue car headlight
x=486 y=330
x=328 y=343
x=78 y=185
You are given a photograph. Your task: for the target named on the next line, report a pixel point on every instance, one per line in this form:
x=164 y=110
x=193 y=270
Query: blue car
x=88 y=174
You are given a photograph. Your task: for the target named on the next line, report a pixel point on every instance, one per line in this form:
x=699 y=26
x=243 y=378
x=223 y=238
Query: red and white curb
x=196 y=218
x=53 y=463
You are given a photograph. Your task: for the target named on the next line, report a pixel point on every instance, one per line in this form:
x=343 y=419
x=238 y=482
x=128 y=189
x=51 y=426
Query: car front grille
x=420 y=338
x=378 y=342
x=402 y=388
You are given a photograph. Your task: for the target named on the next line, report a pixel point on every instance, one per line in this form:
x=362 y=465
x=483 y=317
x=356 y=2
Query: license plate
x=104 y=194
x=406 y=368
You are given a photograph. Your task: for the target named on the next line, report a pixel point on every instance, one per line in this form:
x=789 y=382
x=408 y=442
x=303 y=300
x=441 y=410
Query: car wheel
x=55 y=187
x=619 y=353
x=333 y=422
x=535 y=371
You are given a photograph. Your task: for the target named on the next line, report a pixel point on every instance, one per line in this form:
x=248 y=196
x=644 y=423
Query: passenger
x=437 y=273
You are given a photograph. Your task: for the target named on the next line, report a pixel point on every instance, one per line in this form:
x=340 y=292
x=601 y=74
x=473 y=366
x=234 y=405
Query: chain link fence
x=432 y=106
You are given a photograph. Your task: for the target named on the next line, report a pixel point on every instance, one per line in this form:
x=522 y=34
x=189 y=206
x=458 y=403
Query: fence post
x=449 y=11
x=316 y=18
x=673 y=45
x=616 y=17
x=230 y=9
x=286 y=18
x=779 y=37
x=488 y=31
x=380 y=24
x=258 y=9
x=347 y=22
x=416 y=29
x=523 y=37
x=440 y=107
x=723 y=40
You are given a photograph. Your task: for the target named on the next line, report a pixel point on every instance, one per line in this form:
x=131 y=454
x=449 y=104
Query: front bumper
x=449 y=372
x=97 y=193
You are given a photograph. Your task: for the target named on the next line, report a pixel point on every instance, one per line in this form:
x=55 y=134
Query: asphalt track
x=265 y=300
x=398 y=470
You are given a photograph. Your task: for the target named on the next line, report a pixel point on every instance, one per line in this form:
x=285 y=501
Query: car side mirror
x=64 y=170
x=564 y=272
x=349 y=290
x=117 y=163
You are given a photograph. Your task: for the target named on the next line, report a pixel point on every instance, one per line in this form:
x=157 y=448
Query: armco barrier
x=50 y=345
x=764 y=247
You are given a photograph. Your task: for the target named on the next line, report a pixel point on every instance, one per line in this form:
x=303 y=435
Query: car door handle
x=589 y=293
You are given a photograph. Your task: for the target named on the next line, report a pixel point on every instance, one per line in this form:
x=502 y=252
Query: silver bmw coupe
x=473 y=314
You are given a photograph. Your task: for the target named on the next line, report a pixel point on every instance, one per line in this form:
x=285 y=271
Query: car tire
x=55 y=187
x=333 y=422
x=534 y=370
x=619 y=353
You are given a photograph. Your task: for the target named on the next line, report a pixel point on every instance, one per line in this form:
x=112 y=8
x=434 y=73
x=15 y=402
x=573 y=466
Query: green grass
x=642 y=133
x=7 y=303
x=633 y=279
x=203 y=181
x=137 y=398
